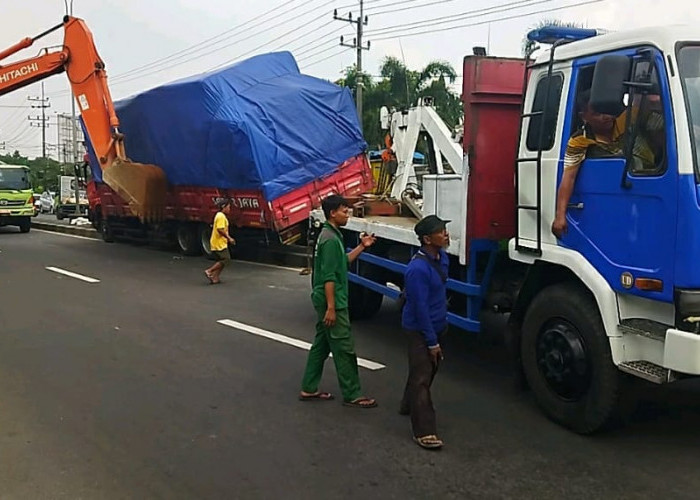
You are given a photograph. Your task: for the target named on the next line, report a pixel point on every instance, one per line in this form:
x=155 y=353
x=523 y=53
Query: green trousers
x=337 y=340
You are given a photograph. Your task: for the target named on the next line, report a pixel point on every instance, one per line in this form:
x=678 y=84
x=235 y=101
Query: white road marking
x=365 y=363
x=73 y=275
x=65 y=234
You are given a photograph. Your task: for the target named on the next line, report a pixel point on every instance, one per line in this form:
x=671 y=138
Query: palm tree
x=527 y=46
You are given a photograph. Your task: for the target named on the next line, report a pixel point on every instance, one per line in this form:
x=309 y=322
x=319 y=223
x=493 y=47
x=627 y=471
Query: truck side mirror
x=610 y=76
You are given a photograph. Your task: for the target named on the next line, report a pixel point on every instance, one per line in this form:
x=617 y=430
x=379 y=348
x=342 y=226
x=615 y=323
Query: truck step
x=645 y=328
x=648 y=371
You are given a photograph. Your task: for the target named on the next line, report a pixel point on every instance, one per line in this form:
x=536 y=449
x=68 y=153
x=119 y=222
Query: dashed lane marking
x=72 y=275
x=365 y=363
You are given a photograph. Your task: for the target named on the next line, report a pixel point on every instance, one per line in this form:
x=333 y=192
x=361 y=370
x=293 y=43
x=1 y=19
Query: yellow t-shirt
x=218 y=242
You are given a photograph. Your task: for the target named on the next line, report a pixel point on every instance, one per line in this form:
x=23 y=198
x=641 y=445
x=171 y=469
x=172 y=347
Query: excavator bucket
x=141 y=185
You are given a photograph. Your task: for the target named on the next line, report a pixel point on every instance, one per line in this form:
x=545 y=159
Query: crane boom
x=142 y=186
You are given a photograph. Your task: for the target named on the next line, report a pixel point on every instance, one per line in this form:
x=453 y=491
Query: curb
x=66 y=229
x=280 y=256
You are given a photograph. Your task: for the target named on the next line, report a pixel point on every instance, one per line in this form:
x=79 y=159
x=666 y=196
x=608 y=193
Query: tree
x=400 y=88
x=528 y=45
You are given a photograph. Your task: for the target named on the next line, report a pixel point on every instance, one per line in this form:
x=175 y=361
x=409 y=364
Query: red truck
x=190 y=210
x=273 y=140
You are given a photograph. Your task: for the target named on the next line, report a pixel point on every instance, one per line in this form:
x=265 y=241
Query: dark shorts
x=222 y=255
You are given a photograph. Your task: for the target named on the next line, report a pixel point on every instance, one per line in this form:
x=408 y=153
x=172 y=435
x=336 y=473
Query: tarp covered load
x=259 y=124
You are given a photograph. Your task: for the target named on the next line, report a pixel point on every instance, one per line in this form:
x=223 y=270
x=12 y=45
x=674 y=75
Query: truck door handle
x=577 y=206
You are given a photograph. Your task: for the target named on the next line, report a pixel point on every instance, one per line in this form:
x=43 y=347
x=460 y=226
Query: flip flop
x=319 y=396
x=362 y=402
x=208 y=277
x=430 y=442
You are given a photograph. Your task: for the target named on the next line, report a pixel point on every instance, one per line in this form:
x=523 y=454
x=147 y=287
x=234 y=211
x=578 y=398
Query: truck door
x=621 y=216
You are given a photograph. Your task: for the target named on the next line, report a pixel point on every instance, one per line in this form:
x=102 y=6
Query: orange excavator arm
x=141 y=185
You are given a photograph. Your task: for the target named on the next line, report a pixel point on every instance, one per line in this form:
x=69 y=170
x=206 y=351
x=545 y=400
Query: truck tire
x=204 y=237
x=106 y=231
x=59 y=214
x=567 y=360
x=25 y=224
x=188 y=239
x=363 y=302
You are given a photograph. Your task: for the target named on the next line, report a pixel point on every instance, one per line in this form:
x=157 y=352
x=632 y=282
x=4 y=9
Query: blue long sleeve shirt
x=425 y=309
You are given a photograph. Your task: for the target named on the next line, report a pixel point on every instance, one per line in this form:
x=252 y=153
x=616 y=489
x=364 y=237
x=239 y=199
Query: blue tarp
x=259 y=124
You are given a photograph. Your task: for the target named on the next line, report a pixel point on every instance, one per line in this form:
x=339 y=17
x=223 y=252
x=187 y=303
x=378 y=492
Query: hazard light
x=552 y=34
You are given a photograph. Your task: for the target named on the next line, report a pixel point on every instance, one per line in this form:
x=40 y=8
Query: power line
x=402 y=2
x=353 y=5
x=206 y=42
x=298 y=53
x=479 y=23
x=320 y=16
x=307 y=46
x=311 y=56
x=324 y=59
x=518 y=4
x=136 y=77
x=149 y=68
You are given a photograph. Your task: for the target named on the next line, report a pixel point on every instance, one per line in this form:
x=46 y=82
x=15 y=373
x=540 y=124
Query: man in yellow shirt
x=219 y=241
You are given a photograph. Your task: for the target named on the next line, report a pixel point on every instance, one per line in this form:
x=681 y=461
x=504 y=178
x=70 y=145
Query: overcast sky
x=145 y=43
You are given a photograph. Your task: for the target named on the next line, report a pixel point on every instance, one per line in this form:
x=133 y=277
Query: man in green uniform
x=330 y=299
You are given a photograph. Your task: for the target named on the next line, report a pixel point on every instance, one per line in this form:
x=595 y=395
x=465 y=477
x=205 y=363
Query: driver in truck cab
x=602 y=136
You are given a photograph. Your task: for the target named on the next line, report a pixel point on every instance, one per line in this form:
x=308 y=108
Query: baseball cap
x=430 y=224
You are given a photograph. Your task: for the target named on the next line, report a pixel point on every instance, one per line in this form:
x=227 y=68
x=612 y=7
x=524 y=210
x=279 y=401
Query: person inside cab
x=603 y=136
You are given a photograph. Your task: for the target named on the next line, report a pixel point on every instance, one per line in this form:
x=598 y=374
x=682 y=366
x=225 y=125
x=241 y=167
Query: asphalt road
x=129 y=388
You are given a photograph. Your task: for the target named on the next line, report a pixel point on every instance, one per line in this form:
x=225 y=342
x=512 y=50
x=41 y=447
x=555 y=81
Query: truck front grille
x=11 y=203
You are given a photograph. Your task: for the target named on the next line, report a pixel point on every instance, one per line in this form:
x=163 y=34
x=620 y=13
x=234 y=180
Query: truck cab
x=632 y=227
x=618 y=294
x=16 y=197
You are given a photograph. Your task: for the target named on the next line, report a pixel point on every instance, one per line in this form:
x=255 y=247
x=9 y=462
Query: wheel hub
x=562 y=360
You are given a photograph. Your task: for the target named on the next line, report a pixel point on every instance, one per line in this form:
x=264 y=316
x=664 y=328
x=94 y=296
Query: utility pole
x=36 y=121
x=361 y=22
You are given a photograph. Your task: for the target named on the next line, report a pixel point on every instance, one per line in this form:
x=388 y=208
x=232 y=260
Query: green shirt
x=330 y=264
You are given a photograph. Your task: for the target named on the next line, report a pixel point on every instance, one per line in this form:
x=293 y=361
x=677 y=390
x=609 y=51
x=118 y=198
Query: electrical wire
x=508 y=7
x=206 y=43
x=320 y=16
x=159 y=64
x=324 y=59
x=479 y=23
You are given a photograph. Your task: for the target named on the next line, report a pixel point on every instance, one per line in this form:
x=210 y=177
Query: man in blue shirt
x=424 y=318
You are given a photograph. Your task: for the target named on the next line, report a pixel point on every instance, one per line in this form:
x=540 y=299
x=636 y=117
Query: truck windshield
x=689 y=68
x=14 y=178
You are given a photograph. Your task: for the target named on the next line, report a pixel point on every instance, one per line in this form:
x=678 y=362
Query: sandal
x=211 y=280
x=429 y=442
x=319 y=396
x=361 y=402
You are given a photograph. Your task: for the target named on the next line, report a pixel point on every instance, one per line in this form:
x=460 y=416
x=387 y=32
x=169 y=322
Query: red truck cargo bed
x=251 y=210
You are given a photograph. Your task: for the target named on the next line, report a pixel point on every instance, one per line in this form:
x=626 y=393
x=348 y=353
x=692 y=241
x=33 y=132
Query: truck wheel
x=204 y=237
x=25 y=225
x=106 y=231
x=567 y=360
x=59 y=214
x=363 y=302
x=188 y=239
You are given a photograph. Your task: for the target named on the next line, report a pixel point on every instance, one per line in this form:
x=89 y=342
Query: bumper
x=8 y=216
x=682 y=352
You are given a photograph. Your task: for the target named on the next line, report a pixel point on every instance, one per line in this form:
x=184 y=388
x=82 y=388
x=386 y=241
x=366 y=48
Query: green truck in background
x=16 y=197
